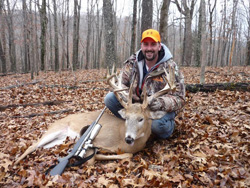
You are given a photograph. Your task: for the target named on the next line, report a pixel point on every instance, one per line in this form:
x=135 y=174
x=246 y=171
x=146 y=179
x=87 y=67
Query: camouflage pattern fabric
x=172 y=101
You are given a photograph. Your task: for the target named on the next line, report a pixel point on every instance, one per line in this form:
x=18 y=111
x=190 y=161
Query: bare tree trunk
x=238 y=50
x=67 y=40
x=114 y=8
x=2 y=59
x=157 y=14
x=225 y=35
x=147 y=15
x=164 y=21
x=75 y=60
x=98 y=39
x=2 y=44
x=248 y=51
x=232 y=49
x=198 y=46
x=26 y=66
x=56 y=45
x=78 y=24
x=32 y=42
x=138 y=30
x=219 y=46
x=203 y=41
x=188 y=41
x=97 y=63
x=12 y=46
x=181 y=40
x=174 y=42
x=51 y=54
x=110 y=55
x=63 y=35
x=100 y=63
x=215 y=41
x=234 y=29
x=43 y=21
x=211 y=10
x=248 y=34
x=134 y=23
x=89 y=21
x=93 y=43
x=37 y=58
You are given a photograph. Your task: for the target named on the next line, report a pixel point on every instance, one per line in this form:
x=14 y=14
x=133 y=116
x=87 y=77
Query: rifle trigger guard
x=85 y=159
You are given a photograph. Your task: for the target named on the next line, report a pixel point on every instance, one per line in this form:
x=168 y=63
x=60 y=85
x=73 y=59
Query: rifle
x=78 y=149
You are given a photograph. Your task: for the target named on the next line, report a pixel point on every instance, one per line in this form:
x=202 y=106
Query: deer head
x=138 y=116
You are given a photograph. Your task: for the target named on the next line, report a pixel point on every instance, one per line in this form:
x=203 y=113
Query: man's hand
x=155 y=104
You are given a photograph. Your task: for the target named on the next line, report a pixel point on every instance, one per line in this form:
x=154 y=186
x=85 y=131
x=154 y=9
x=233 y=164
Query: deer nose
x=129 y=140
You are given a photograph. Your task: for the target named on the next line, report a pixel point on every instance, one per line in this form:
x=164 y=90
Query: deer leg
x=100 y=157
x=57 y=138
x=49 y=140
x=91 y=161
x=32 y=148
x=43 y=142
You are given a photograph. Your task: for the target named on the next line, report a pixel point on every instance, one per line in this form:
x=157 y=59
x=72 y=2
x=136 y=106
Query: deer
x=127 y=136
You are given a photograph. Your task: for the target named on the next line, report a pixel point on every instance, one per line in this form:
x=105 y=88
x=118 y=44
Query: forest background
x=58 y=35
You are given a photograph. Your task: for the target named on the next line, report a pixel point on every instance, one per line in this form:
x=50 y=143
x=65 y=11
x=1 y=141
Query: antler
x=123 y=97
x=169 y=78
x=112 y=71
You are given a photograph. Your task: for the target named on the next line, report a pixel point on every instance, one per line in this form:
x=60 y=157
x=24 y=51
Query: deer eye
x=140 y=120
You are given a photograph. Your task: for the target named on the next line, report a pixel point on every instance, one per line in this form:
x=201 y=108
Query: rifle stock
x=63 y=162
x=59 y=168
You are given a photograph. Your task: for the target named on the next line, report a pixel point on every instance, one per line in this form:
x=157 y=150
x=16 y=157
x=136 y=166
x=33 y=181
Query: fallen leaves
x=210 y=147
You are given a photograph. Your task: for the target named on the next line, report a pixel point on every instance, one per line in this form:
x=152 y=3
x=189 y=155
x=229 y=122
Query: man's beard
x=152 y=58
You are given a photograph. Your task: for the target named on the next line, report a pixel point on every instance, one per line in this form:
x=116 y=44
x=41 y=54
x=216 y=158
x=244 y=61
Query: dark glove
x=155 y=104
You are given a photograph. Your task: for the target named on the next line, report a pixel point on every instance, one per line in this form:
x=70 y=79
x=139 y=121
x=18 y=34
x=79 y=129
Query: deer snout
x=129 y=140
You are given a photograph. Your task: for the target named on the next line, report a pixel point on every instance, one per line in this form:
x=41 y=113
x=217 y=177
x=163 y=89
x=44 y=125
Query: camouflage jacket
x=153 y=80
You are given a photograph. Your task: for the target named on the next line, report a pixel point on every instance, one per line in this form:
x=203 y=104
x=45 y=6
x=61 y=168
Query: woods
x=54 y=56
x=209 y=148
x=71 y=35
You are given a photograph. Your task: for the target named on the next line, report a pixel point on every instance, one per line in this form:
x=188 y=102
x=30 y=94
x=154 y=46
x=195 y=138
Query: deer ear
x=122 y=113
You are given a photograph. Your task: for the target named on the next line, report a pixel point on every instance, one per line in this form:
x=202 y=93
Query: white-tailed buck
x=128 y=136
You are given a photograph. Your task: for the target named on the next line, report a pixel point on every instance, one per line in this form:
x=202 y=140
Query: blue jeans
x=162 y=128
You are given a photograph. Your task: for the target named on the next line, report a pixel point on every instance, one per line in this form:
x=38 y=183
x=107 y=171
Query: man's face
x=150 y=49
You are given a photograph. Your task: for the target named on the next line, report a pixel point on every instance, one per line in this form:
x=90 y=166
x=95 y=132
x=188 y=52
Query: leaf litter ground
x=209 y=148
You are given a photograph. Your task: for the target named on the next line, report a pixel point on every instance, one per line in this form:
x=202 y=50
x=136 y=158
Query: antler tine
x=145 y=97
x=131 y=91
x=171 y=77
x=117 y=88
x=111 y=81
x=112 y=71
